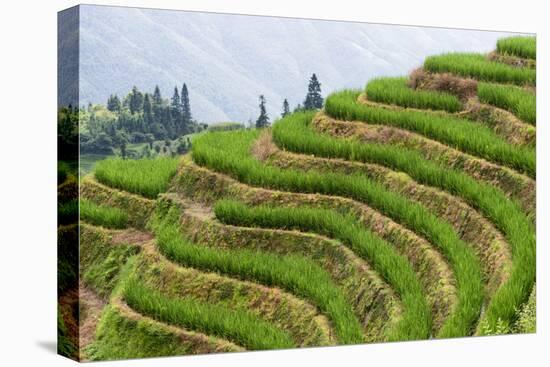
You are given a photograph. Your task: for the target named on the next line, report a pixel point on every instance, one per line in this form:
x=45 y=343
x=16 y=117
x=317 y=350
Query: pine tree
x=286 y=108
x=136 y=100
x=185 y=106
x=176 y=102
x=157 y=98
x=313 y=100
x=113 y=103
x=147 y=111
x=177 y=120
x=263 y=119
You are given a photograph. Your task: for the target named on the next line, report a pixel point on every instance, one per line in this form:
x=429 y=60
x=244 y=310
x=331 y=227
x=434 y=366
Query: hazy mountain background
x=228 y=60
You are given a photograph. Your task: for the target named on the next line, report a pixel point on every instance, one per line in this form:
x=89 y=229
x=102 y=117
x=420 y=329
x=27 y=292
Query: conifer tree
x=263 y=119
x=147 y=110
x=286 y=108
x=113 y=103
x=185 y=105
x=313 y=100
x=136 y=100
x=157 y=98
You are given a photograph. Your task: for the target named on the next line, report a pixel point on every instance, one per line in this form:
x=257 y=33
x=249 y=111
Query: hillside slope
x=403 y=211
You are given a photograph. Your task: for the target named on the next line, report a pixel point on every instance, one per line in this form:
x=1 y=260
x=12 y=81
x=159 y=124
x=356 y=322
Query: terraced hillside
x=403 y=211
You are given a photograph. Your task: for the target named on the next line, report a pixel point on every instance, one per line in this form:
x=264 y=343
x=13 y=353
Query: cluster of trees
x=313 y=101
x=137 y=118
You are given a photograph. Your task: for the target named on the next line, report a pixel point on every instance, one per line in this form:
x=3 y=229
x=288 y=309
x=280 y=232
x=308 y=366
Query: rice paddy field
x=399 y=211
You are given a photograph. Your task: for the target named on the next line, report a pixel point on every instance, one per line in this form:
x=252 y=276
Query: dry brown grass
x=464 y=88
x=263 y=147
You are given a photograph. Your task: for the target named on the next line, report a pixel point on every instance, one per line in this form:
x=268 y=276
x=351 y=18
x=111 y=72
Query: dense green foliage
x=293 y=133
x=229 y=153
x=138 y=118
x=297 y=274
x=395 y=91
x=518 y=46
x=102 y=215
x=466 y=135
x=240 y=326
x=147 y=177
x=520 y=102
x=395 y=268
x=477 y=66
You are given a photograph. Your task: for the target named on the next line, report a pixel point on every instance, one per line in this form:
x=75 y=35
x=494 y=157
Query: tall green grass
x=101 y=215
x=294 y=133
x=240 y=326
x=415 y=323
x=395 y=91
x=520 y=102
x=465 y=135
x=518 y=46
x=477 y=66
x=147 y=177
x=229 y=153
x=297 y=274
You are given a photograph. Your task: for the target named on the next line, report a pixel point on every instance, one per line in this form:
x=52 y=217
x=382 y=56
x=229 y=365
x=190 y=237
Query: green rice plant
x=415 y=322
x=147 y=177
x=520 y=46
x=520 y=102
x=102 y=215
x=395 y=91
x=477 y=66
x=294 y=133
x=299 y=275
x=229 y=153
x=468 y=136
x=67 y=212
x=240 y=326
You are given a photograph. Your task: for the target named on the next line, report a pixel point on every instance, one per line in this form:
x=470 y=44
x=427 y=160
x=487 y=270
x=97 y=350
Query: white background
x=28 y=181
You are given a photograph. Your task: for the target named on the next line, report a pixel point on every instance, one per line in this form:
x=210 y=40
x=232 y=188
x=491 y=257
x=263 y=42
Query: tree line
x=137 y=118
x=313 y=101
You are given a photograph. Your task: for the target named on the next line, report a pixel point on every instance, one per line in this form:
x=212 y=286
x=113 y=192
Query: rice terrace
x=401 y=211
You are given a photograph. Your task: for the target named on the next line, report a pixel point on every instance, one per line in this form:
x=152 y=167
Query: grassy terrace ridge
x=230 y=155
x=415 y=323
x=123 y=333
x=102 y=215
x=467 y=136
x=395 y=91
x=520 y=102
x=294 y=133
x=242 y=327
x=477 y=66
x=297 y=274
x=148 y=177
x=520 y=46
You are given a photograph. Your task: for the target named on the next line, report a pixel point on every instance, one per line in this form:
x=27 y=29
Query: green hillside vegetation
x=520 y=102
x=386 y=214
x=477 y=66
x=395 y=91
x=518 y=46
x=147 y=177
